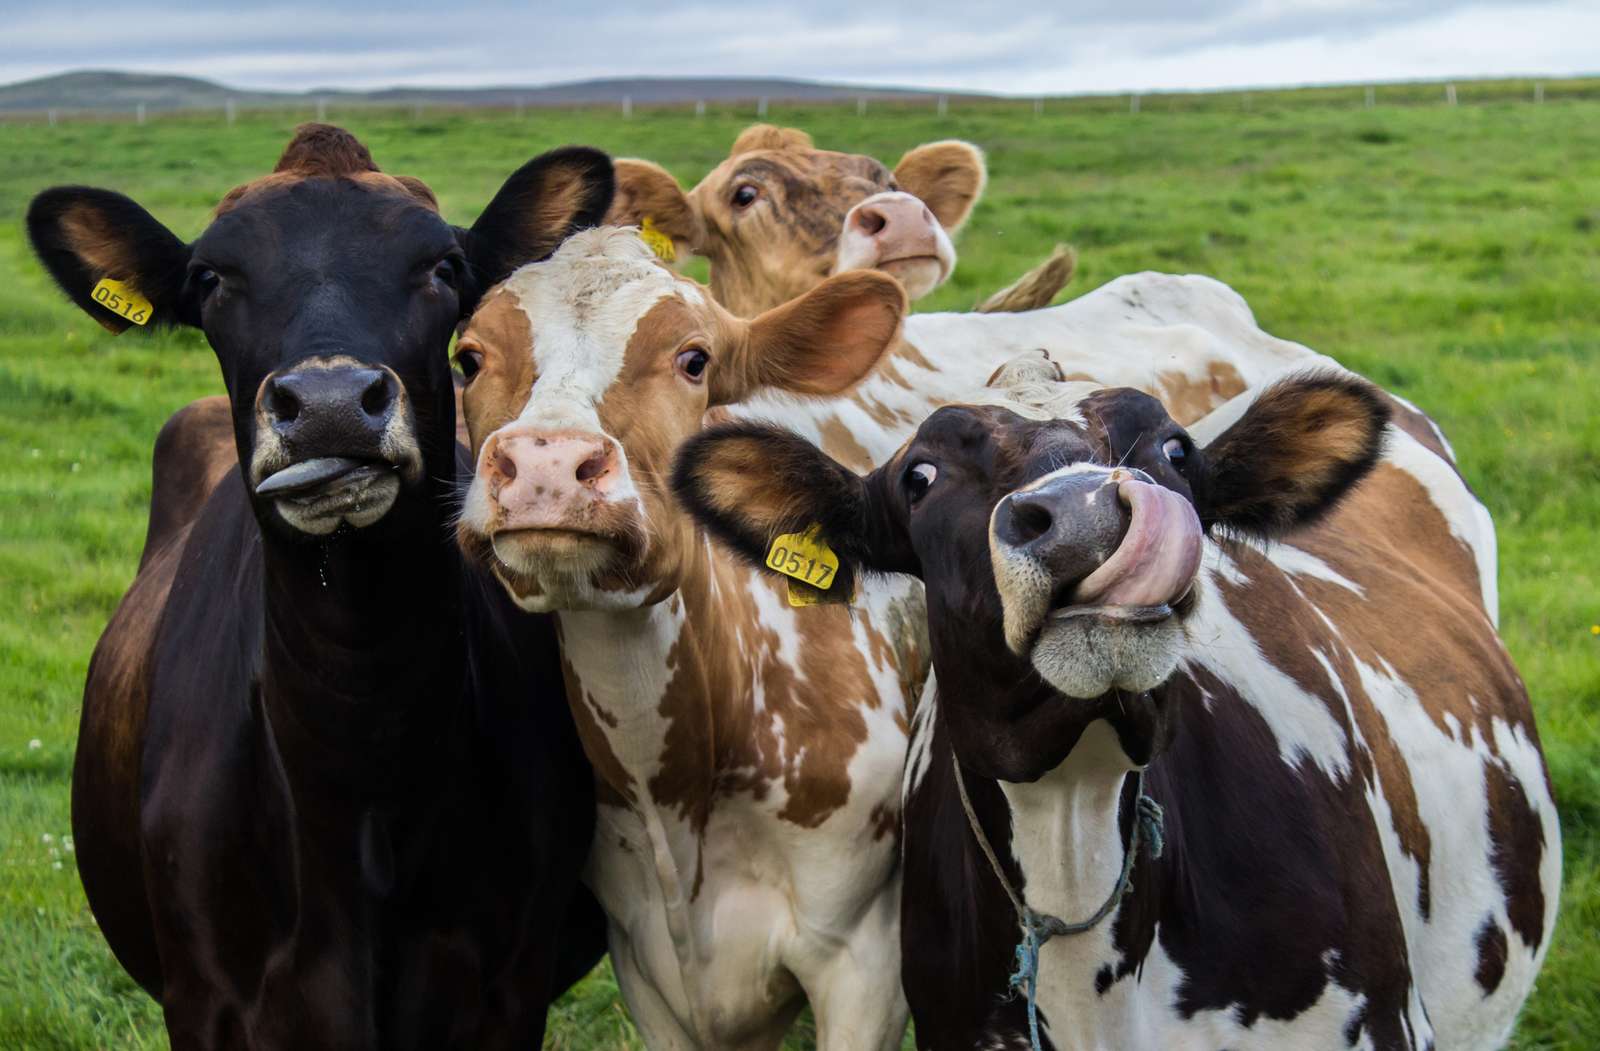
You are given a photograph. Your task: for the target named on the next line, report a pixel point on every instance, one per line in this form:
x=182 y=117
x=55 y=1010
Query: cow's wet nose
x=320 y=411
x=1070 y=524
x=543 y=476
x=892 y=216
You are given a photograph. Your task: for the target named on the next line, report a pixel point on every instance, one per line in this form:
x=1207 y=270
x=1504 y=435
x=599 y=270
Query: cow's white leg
x=651 y=1014
x=855 y=995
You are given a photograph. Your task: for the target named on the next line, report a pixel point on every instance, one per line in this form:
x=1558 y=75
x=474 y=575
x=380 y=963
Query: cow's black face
x=1060 y=556
x=329 y=305
x=329 y=292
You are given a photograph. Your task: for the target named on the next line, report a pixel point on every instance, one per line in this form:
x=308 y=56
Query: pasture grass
x=1452 y=254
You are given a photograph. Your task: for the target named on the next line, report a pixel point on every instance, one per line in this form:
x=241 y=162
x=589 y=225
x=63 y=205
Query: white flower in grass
x=47 y=838
x=66 y=844
x=56 y=866
x=35 y=744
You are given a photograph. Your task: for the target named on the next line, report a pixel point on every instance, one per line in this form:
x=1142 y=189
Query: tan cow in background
x=779 y=215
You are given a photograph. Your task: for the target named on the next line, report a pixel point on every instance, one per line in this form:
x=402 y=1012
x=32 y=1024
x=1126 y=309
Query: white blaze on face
x=583 y=305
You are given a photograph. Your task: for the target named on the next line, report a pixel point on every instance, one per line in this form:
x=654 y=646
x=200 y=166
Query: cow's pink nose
x=541 y=474
x=891 y=215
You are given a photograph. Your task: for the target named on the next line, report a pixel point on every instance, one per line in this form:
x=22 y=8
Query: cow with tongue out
x=1358 y=847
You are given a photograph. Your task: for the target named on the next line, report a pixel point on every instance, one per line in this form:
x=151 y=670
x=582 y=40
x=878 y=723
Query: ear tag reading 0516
x=659 y=242
x=122 y=300
x=804 y=557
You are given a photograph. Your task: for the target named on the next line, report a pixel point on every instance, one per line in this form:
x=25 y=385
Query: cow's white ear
x=650 y=198
x=949 y=176
x=822 y=343
x=1292 y=455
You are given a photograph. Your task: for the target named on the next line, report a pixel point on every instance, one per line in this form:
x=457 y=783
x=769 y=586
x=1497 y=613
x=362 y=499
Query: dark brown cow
x=317 y=800
x=1360 y=845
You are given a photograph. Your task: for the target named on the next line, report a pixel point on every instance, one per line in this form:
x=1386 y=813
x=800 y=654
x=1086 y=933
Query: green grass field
x=1451 y=254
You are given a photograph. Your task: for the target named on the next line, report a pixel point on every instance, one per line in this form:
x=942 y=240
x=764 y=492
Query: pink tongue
x=1158 y=558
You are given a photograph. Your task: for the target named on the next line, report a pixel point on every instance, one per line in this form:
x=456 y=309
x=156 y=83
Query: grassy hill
x=111 y=91
x=1450 y=253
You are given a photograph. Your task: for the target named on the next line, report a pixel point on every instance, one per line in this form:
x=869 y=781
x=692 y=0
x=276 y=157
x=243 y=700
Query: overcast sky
x=1043 y=46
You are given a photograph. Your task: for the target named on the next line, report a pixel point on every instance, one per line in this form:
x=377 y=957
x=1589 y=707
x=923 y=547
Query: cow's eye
x=692 y=362
x=744 y=195
x=205 y=282
x=919 y=479
x=1175 y=452
x=469 y=360
x=448 y=270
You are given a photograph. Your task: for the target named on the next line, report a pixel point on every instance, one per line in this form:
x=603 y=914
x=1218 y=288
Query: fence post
x=1038 y=107
x=230 y=110
x=1133 y=103
x=944 y=106
x=322 y=110
x=761 y=106
x=1538 y=91
x=627 y=106
x=52 y=118
x=1372 y=96
x=1450 y=94
x=140 y=112
x=700 y=108
x=861 y=105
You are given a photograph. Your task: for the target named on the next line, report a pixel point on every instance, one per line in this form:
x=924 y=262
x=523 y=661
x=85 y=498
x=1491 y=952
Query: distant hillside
x=109 y=90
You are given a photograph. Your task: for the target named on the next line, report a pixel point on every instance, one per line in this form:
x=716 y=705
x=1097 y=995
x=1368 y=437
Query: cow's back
x=1363 y=648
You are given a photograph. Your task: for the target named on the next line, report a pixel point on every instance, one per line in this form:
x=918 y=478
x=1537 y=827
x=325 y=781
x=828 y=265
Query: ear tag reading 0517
x=122 y=300
x=659 y=242
x=804 y=557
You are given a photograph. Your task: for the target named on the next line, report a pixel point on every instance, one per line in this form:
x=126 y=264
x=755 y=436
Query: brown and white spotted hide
x=1361 y=848
x=749 y=753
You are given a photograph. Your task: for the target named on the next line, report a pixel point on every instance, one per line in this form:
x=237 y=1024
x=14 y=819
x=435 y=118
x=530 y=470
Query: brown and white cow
x=779 y=215
x=1361 y=848
x=749 y=754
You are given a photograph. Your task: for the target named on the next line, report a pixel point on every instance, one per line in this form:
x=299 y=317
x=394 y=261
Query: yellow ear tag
x=122 y=300
x=804 y=557
x=659 y=242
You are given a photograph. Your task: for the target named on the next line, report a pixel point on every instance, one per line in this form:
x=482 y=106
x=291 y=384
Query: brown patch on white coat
x=751 y=752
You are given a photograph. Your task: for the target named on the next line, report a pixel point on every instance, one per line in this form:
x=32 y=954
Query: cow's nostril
x=594 y=467
x=378 y=396
x=871 y=221
x=505 y=466
x=1030 y=520
x=282 y=404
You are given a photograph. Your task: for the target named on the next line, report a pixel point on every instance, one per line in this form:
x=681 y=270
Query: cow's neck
x=652 y=687
x=362 y=656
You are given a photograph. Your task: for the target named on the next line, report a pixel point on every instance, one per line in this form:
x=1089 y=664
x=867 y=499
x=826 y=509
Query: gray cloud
x=1006 y=46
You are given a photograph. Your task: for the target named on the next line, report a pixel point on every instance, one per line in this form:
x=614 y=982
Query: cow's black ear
x=1299 y=447
x=112 y=257
x=749 y=484
x=543 y=203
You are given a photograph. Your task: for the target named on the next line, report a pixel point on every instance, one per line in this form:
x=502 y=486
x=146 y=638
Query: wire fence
x=1535 y=91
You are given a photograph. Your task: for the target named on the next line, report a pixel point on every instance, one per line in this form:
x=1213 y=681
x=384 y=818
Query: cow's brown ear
x=650 y=198
x=750 y=485
x=822 y=343
x=112 y=257
x=543 y=203
x=1299 y=447
x=949 y=176
x=770 y=137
